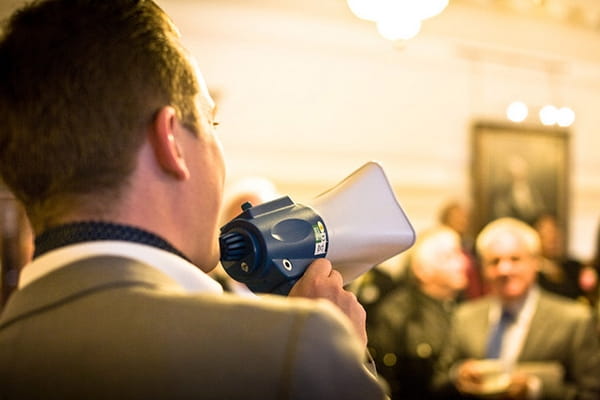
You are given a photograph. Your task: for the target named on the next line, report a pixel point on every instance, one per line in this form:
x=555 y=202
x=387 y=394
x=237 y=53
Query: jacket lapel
x=537 y=333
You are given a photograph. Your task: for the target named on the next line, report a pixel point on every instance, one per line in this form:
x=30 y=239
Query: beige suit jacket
x=561 y=334
x=107 y=330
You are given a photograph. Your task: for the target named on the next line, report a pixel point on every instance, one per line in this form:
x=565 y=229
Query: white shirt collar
x=187 y=275
x=516 y=333
x=527 y=304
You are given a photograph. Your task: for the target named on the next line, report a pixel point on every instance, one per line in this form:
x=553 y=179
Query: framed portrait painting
x=520 y=172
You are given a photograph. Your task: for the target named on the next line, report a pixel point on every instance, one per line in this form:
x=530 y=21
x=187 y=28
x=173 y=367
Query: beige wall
x=307 y=93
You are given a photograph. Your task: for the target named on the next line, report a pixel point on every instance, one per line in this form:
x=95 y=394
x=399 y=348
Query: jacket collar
x=81 y=278
x=186 y=274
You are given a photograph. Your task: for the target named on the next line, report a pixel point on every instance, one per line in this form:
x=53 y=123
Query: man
x=457 y=216
x=544 y=345
x=108 y=141
x=559 y=273
x=410 y=328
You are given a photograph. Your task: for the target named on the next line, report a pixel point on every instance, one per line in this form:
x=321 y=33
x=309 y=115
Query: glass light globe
x=370 y=10
x=399 y=28
x=517 y=111
x=565 y=117
x=548 y=115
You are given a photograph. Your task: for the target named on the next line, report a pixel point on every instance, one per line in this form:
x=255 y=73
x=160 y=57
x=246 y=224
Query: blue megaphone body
x=269 y=246
x=356 y=225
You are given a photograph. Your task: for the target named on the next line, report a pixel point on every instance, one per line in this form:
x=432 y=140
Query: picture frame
x=519 y=171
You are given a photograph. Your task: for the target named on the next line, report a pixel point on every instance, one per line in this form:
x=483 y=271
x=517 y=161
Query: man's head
x=80 y=82
x=107 y=118
x=455 y=215
x=438 y=262
x=509 y=251
x=551 y=236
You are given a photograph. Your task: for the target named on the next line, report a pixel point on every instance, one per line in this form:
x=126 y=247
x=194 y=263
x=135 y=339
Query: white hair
x=431 y=245
x=512 y=226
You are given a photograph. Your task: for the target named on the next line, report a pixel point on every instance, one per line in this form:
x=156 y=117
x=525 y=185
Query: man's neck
x=87 y=231
x=515 y=304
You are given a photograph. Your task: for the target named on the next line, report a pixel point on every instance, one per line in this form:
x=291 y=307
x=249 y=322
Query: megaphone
x=357 y=224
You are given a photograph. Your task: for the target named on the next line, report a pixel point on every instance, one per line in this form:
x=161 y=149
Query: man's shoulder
x=400 y=295
x=563 y=307
x=475 y=306
x=264 y=311
x=263 y=303
x=398 y=303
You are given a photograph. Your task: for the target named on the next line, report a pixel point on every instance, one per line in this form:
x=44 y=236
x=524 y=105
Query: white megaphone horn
x=357 y=224
x=366 y=223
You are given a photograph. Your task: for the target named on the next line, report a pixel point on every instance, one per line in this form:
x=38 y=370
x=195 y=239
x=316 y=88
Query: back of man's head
x=79 y=82
x=455 y=215
x=438 y=263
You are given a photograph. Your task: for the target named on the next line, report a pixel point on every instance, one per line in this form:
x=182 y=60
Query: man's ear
x=166 y=149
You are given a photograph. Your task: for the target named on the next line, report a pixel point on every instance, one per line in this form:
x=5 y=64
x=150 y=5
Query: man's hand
x=469 y=378
x=518 y=389
x=321 y=281
x=472 y=375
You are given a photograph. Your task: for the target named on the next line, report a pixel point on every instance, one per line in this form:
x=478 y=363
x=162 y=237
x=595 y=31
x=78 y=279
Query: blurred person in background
x=373 y=287
x=457 y=216
x=591 y=274
x=411 y=324
x=16 y=243
x=520 y=341
x=559 y=273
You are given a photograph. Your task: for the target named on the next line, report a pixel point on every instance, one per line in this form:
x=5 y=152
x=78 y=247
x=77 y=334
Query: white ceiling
x=513 y=27
x=582 y=13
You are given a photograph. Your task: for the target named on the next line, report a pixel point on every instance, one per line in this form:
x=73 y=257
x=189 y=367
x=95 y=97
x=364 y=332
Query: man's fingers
x=319 y=267
x=320 y=280
x=336 y=276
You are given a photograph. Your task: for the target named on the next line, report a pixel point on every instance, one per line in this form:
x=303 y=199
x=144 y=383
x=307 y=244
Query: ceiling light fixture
x=397 y=19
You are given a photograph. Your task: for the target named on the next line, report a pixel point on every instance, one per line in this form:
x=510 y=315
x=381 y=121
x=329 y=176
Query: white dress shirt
x=187 y=275
x=515 y=334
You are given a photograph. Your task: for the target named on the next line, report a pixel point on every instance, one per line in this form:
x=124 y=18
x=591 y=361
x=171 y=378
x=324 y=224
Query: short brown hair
x=79 y=81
